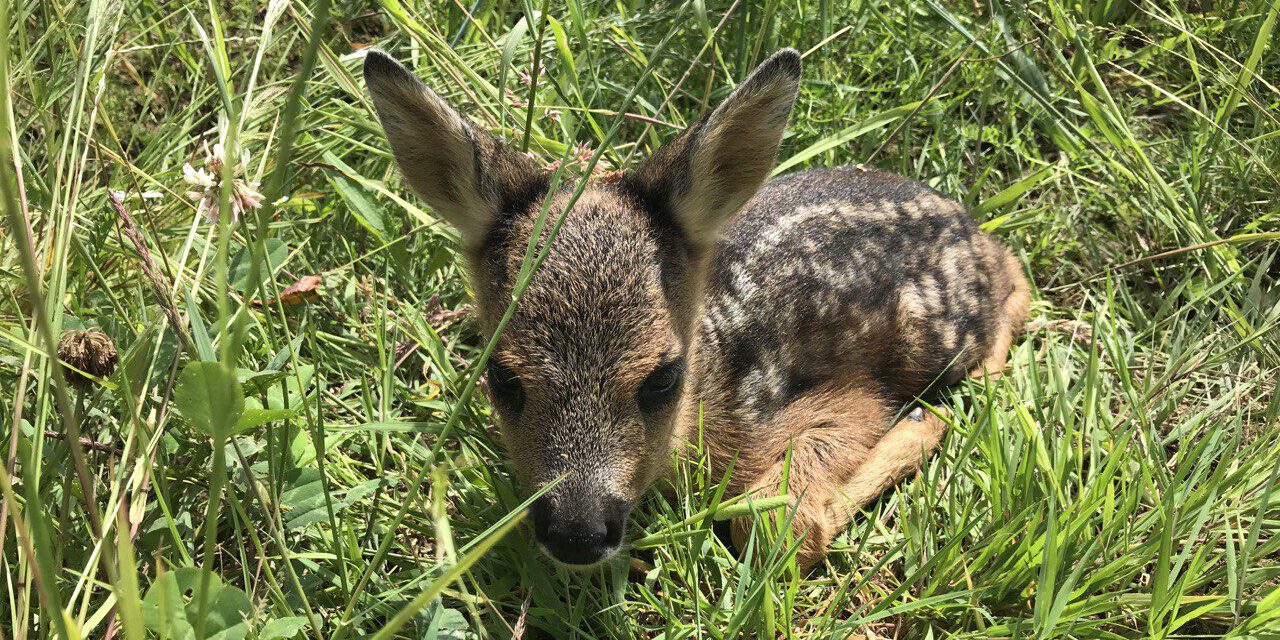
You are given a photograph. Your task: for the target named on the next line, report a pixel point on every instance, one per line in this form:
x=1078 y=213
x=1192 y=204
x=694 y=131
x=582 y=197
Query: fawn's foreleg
x=832 y=448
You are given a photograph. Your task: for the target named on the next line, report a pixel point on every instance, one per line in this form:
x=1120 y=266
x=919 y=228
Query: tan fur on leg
x=832 y=472
x=828 y=434
x=898 y=456
x=810 y=523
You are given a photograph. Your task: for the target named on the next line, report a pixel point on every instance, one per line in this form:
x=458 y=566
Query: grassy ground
x=1119 y=483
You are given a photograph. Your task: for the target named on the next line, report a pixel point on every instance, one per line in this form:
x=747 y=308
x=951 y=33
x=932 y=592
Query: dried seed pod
x=89 y=351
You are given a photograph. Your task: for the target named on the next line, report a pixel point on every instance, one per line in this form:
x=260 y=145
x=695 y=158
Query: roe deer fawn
x=796 y=319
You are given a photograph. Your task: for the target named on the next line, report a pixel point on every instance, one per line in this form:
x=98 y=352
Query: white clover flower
x=197 y=177
x=208 y=185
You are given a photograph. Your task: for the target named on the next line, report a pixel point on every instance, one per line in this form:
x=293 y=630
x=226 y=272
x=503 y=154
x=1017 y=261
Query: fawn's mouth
x=582 y=562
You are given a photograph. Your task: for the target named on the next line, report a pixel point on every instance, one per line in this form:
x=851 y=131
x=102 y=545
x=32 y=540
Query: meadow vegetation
x=295 y=442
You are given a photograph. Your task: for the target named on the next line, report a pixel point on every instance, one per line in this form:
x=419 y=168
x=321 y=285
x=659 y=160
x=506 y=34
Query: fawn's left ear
x=468 y=176
x=707 y=173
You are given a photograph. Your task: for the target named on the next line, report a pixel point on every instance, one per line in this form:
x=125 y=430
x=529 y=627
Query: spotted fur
x=836 y=270
x=795 y=321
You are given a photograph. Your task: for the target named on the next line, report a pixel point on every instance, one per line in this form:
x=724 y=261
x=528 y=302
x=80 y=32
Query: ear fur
x=465 y=174
x=708 y=172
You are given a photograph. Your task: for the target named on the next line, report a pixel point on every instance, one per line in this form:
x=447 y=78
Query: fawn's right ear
x=465 y=174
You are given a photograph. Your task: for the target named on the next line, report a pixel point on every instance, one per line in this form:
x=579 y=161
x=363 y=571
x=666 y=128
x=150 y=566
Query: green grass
x=1120 y=482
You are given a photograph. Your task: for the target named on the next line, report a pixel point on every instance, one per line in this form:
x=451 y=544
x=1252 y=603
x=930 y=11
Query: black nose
x=579 y=532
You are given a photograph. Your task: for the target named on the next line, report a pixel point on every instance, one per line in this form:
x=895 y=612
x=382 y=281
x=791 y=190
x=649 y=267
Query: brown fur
x=794 y=319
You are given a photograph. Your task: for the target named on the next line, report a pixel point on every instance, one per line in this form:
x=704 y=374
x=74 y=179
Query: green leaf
x=281 y=357
x=445 y=624
x=169 y=608
x=277 y=252
x=562 y=44
x=512 y=40
x=1015 y=191
x=252 y=418
x=282 y=628
x=847 y=135
x=1270 y=603
x=210 y=398
x=747 y=507
x=293 y=389
x=303 y=498
x=258 y=381
x=361 y=207
x=199 y=332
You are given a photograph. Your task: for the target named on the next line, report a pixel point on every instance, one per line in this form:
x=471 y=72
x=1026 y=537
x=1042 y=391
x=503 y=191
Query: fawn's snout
x=579 y=530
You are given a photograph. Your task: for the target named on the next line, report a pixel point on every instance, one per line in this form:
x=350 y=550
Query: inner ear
x=467 y=176
x=709 y=171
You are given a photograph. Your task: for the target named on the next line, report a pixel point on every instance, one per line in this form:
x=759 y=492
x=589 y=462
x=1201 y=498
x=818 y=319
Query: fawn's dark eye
x=661 y=386
x=505 y=385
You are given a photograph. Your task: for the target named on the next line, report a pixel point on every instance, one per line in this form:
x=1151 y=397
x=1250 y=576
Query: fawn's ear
x=465 y=174
x=707 y=173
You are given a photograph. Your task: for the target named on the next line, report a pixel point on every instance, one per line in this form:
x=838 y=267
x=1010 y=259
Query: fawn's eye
x=661 y=386
x=505 y=385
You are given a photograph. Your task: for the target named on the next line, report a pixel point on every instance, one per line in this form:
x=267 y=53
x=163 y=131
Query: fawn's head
x=589 y=374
